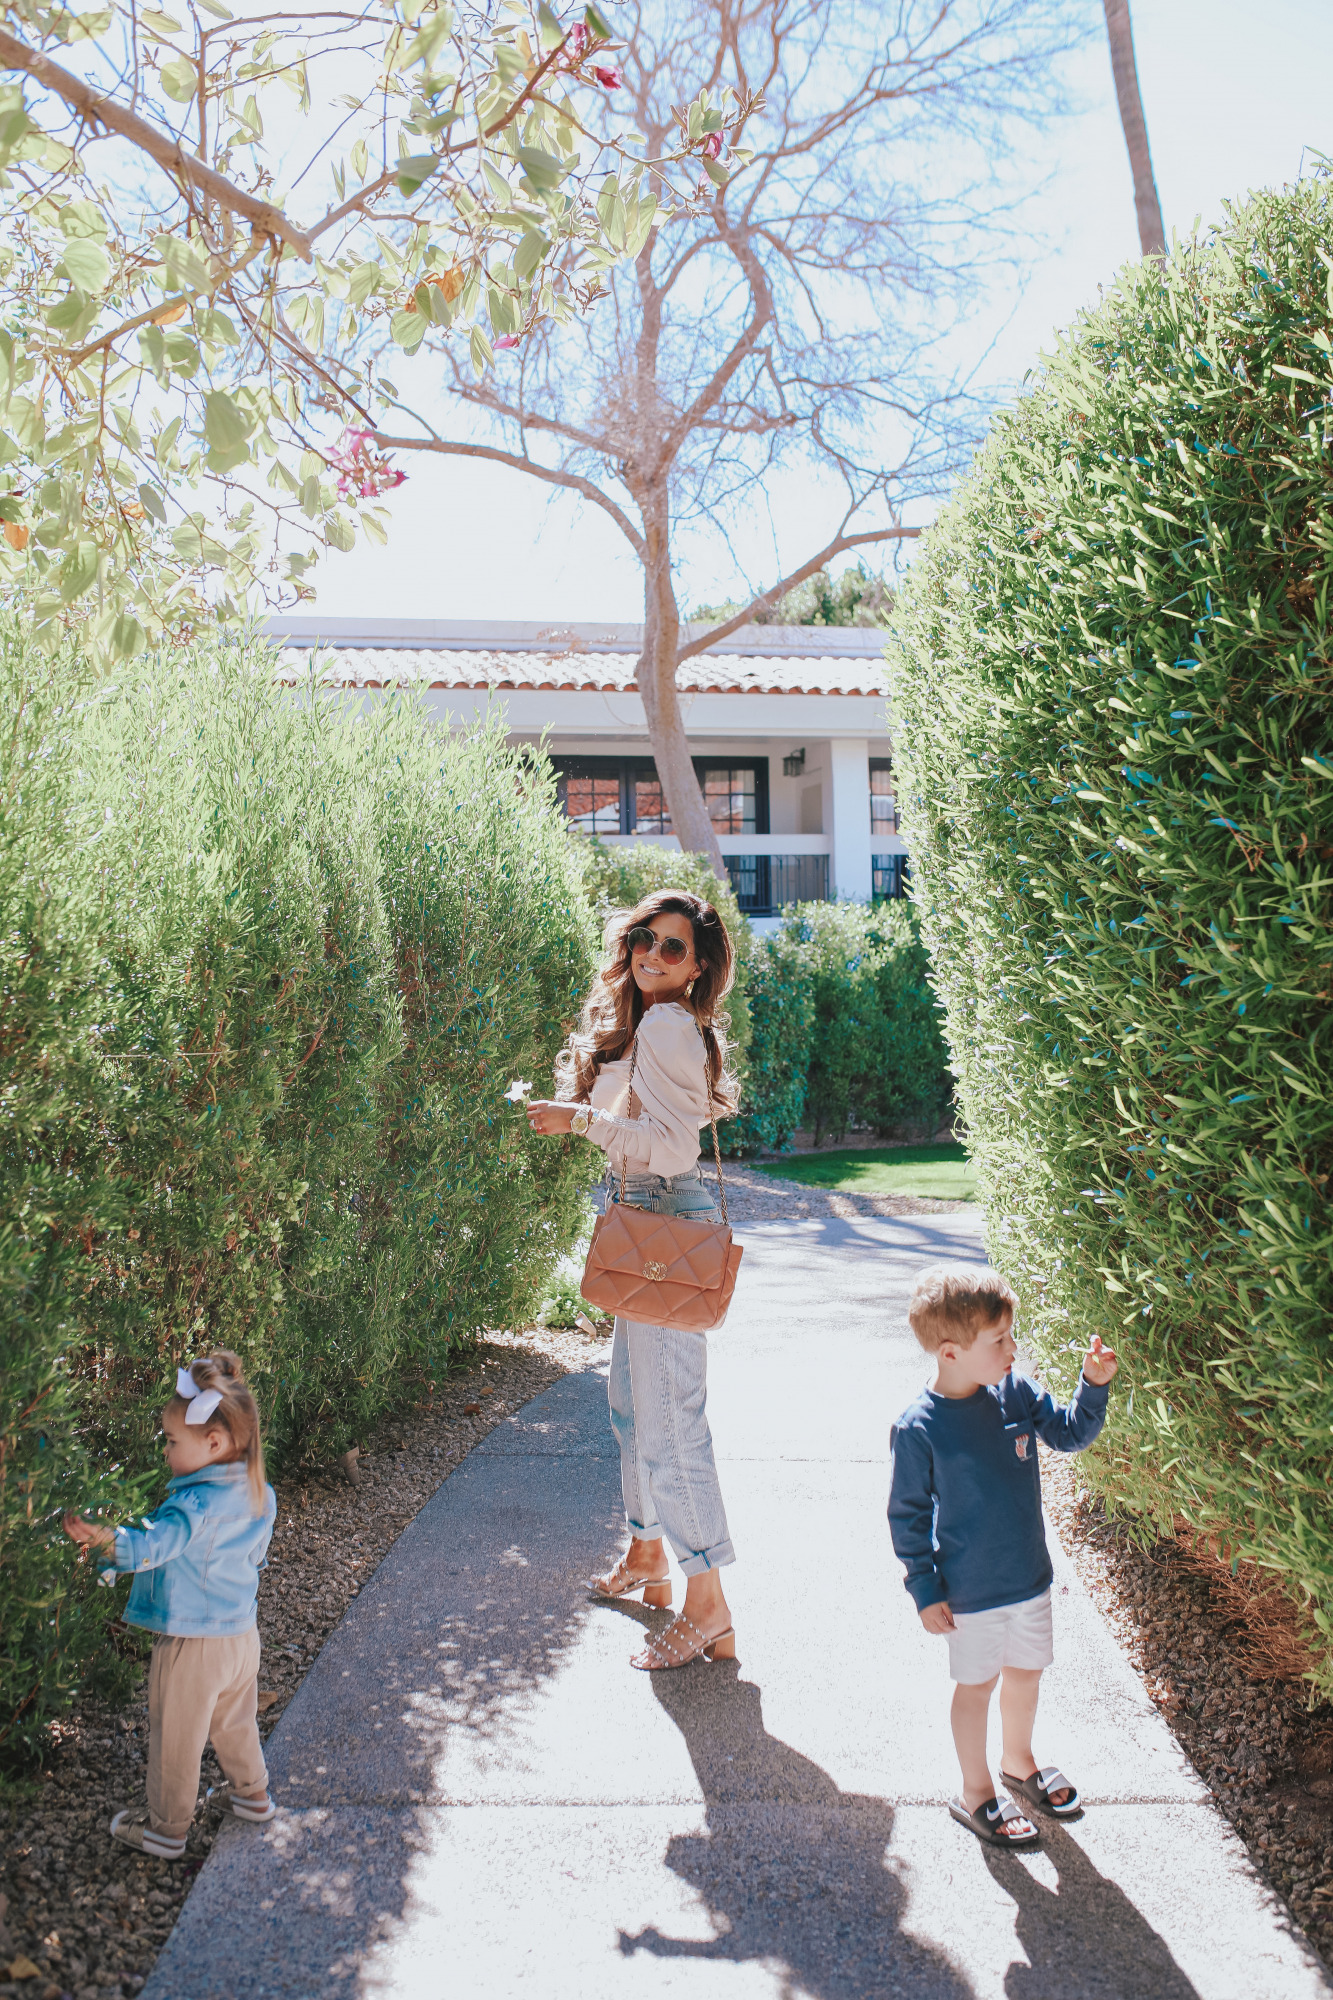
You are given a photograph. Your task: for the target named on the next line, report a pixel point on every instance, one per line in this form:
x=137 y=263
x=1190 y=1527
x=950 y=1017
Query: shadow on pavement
x=792 y=1870
x=474 y=1607
x=1084 y=1937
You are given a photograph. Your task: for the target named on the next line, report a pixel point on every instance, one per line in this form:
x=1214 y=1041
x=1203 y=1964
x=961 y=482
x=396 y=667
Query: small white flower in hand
x=518 y=1091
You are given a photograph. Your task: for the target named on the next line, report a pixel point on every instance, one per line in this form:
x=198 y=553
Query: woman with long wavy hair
x=655 y=1005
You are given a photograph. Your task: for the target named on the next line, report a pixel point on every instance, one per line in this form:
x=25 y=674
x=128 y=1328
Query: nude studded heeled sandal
x=623 y=1580
x=682 y=1642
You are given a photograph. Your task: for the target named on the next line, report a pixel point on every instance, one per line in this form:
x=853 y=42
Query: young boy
x=965 y=1514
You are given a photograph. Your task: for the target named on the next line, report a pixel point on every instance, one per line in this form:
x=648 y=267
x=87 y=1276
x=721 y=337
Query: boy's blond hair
x=954 y=1301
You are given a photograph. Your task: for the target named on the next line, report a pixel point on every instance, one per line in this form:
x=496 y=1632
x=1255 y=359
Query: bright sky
x=1234 y=97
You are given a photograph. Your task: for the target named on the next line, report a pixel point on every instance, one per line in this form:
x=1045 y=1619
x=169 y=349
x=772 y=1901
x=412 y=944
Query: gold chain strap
x=712 y=1119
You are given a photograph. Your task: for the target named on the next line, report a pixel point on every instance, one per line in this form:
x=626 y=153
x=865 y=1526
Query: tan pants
x=199 y=1688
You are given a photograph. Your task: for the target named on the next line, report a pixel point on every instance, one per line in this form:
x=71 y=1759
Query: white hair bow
x=202 y=1402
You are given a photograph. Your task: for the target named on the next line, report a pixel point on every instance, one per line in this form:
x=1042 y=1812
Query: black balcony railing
x=888 y=876
x=765 y=883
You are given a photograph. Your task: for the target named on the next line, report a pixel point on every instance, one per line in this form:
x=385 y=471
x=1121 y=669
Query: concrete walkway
x=480 y=1798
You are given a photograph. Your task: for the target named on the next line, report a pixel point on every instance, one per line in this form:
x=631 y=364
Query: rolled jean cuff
x=651 y=1532
x=703 y=1560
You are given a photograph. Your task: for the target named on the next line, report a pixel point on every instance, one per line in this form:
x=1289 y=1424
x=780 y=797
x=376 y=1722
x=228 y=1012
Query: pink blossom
x=361 y=469
x=506 y=340
x=610 y=79
x=712 y=145
x=576 y=42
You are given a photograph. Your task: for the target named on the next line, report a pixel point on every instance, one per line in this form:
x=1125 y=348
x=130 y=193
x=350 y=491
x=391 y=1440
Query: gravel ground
x=85 y=1919
x=80 y=1916
x=1259 y=1744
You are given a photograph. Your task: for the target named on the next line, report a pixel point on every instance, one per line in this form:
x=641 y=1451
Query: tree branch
x=263 y=217
x=549 y=473
x=835 y=548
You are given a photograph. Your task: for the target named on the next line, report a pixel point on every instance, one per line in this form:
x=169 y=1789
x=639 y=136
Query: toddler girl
x=196 y=1565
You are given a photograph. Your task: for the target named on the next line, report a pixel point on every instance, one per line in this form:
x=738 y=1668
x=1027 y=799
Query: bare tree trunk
x=656 y=676
x=1120 y=34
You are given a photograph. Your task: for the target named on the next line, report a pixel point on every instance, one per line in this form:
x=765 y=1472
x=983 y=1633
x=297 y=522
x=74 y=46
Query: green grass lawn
x=942 y=1172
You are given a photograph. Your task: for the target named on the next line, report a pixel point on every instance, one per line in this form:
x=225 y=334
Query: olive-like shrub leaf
x=1112 y=676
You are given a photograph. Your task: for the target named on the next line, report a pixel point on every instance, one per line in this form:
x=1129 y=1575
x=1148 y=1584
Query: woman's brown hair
x=614 y=1007
x=237 y=1414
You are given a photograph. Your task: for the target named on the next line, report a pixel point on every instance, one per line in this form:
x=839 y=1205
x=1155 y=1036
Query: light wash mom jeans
x=658 y=1387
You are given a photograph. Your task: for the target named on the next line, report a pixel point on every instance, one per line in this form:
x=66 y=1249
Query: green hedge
x=1112 y=678
x=877 y=1054
x=782 y=1016
x=268 y=968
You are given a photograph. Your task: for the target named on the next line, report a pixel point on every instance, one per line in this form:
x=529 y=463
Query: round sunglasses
x=672 y=950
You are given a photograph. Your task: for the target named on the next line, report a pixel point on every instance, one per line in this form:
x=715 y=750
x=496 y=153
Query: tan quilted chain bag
x=663 y=1270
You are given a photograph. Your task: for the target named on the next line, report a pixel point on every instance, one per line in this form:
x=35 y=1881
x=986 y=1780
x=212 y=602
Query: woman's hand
x=548 y=1117
x=89 y=1534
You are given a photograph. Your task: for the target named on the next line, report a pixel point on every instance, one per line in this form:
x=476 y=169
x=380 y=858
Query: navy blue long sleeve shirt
x=965 y=1503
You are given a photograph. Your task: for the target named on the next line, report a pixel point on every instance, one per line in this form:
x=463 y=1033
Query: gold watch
x=580 y=1119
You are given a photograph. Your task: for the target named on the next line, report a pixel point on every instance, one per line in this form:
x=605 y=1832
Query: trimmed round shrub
x=1111 y=678
x=269 y=965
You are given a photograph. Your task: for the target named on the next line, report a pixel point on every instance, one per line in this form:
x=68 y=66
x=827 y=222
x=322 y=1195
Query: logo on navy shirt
x=1021 y=1443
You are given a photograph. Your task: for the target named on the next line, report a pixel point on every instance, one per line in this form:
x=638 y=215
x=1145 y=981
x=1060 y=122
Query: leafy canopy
x=188 y=382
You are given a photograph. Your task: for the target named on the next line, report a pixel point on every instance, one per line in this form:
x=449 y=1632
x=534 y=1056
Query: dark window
x=592 y=793
x=651 y=812
x=736 y=795
x=883 y=799
x=625 y=795
x=888 y=876
x=749 y=878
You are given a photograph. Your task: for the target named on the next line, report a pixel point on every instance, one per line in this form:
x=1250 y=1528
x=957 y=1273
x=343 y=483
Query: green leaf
x=363 y=281
x=226 y=424
x=340 y=530
x=422 y=47
x=408 y=329
x=552 y=34
x=179 y=79
x=159 y=24
x=126 y=638
x=152 y=501
x=716 y=173
x=530 y=253
x=216 y=9
x=78 y=572
x=82 y=218
x=192 y=541
x=483 y=354
x=542 y=169
x=86 y=264
x=596 y=24
x=414 y=170
x=216 y=328
x=186 y=270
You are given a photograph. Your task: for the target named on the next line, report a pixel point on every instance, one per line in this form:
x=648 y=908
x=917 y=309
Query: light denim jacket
x=196 y=1561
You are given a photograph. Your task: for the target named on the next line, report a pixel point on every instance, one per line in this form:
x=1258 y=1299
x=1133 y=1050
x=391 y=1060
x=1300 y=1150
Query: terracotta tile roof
x=769 y=659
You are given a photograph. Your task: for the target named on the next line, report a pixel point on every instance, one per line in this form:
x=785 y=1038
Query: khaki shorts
x=1012 y=1635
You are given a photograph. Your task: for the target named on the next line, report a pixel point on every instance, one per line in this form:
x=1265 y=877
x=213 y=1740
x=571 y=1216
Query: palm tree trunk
x=1120 y=34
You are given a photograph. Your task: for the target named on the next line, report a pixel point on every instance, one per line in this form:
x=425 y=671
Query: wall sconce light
x=793 y=766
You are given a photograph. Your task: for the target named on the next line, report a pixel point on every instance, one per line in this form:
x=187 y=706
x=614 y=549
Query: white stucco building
x=787 y=725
